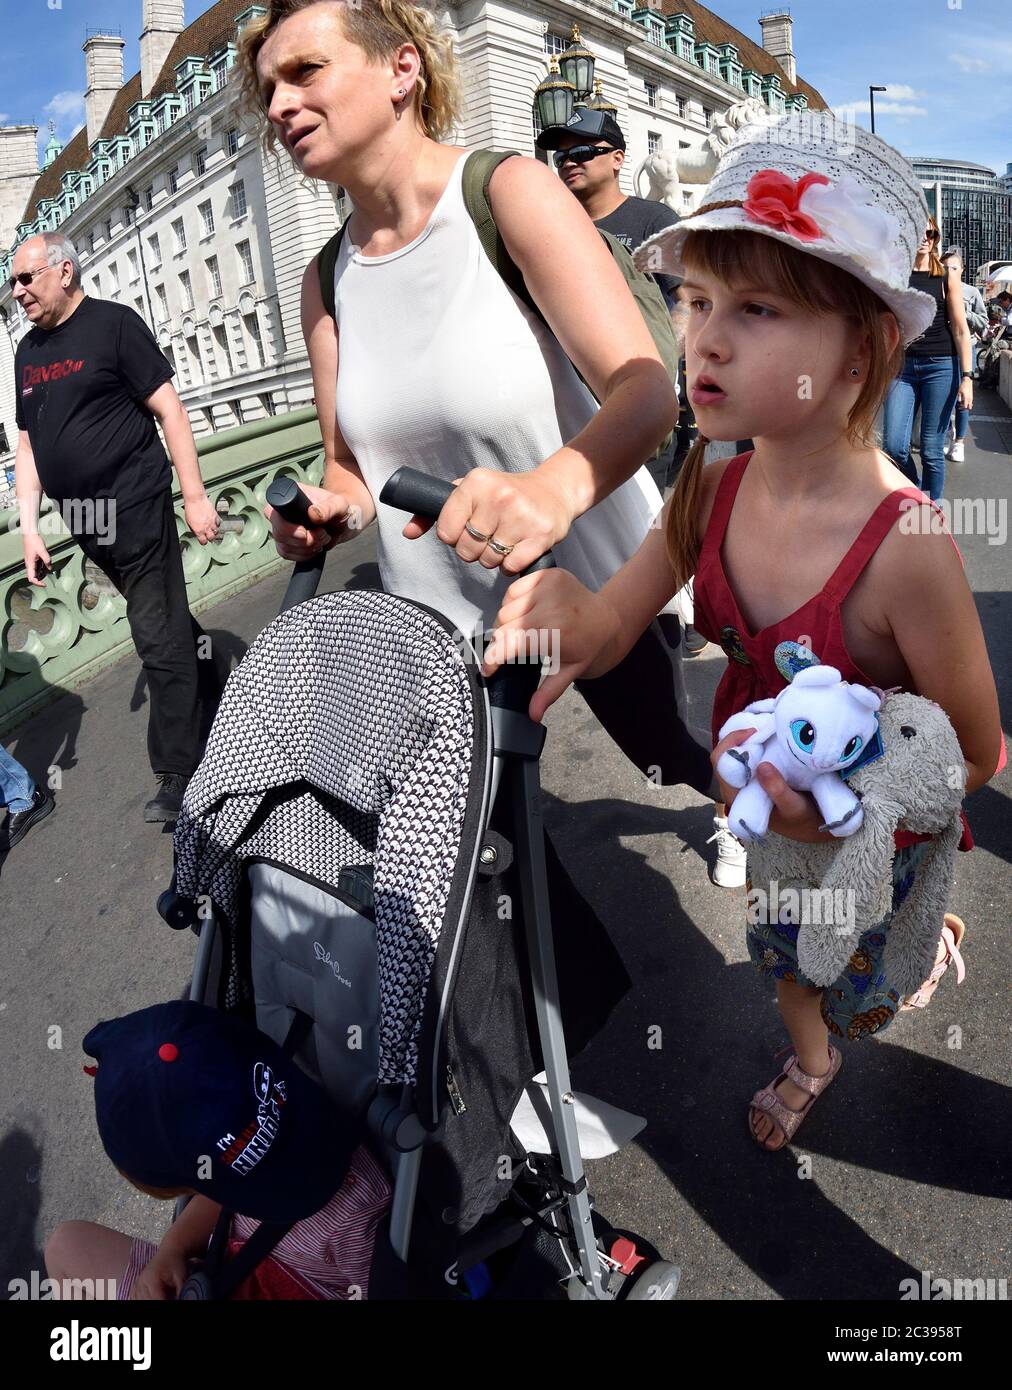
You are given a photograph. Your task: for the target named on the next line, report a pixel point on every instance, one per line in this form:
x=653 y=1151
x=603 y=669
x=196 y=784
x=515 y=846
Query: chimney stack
x=103 y=63
x=163 y=23
x=778 y=40
x=19 y=169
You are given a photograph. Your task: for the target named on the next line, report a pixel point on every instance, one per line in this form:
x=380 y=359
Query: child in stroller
x=193 y=1101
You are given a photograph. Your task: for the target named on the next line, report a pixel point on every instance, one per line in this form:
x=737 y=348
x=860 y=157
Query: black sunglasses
x=931 y=234
x=581 y=154
x=27 y=276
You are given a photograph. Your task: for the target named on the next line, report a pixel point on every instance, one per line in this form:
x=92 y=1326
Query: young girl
x=796 y=311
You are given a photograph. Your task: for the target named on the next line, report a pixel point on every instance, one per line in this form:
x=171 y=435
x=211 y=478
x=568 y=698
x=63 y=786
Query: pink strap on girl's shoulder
x=723 y=502
x=872 y=534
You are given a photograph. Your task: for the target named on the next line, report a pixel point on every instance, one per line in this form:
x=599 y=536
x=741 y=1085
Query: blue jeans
x=16 y=787
x=963 y=416
x=933 y=384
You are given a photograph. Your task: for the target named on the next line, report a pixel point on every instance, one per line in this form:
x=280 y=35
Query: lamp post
x=569 y=83
x=871 y=99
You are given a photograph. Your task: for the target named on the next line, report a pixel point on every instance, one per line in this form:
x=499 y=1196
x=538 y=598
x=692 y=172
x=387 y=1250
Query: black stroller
x=361 y=851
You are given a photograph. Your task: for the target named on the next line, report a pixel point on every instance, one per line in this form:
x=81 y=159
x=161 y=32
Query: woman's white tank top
x=443 y=368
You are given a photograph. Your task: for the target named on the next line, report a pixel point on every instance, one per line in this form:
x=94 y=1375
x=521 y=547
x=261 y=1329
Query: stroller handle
x=292 y=505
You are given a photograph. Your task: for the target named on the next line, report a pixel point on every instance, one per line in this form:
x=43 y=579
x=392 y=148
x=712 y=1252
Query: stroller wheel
x=655 y=1283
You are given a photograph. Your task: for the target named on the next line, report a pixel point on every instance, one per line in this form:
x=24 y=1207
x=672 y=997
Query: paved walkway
x=909 y=1152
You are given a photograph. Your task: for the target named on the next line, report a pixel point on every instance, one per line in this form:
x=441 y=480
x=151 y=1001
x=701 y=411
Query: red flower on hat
x=773 y=198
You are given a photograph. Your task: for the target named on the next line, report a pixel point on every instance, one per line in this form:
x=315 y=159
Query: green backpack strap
x=326 y=262
x=478 y=170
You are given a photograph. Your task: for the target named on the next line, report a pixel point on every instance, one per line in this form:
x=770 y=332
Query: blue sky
x=947 y=64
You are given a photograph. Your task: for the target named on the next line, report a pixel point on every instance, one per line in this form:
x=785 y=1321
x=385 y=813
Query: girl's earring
x=855 y=371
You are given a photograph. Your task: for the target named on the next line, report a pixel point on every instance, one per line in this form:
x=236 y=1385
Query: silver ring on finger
x=500 y=547
x=474 y=533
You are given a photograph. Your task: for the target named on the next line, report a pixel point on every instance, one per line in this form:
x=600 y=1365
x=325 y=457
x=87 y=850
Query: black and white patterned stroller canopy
x=345 y=737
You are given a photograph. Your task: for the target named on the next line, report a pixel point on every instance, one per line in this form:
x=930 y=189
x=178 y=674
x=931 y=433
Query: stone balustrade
x=54 y=638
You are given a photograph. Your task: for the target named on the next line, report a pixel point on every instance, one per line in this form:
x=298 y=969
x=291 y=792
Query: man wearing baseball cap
x=193 y=1101
x=589 y=152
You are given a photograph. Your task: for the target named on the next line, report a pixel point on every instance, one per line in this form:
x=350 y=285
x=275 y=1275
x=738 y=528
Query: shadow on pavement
x=20 y=1202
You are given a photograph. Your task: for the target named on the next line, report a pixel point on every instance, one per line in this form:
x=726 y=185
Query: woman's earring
x=400 y=91
x=855 y=371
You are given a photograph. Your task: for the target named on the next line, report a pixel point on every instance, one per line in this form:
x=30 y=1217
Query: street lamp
x=871 y=98
x=576 y=63
x=554 y=98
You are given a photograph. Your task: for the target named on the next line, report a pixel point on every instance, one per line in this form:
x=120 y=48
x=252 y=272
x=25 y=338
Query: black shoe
x=19 y=824
x=164 y=807
x=693 y=642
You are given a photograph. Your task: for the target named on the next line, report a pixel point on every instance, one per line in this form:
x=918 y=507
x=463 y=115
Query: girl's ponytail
x=681 y=533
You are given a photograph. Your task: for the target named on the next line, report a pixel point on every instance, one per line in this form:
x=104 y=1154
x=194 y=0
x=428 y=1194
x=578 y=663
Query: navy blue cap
x=588 y=124
x=189 y=1097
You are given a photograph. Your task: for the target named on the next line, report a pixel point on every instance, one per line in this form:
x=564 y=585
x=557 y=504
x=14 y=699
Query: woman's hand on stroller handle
x=329 y=516
x=506 y=520
x=550 y=614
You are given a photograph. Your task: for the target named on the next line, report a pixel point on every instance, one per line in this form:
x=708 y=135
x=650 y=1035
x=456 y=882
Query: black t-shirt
x=632 y=222
x=80 y=395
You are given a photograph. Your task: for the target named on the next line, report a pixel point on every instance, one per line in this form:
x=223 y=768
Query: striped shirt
x=331 y=1252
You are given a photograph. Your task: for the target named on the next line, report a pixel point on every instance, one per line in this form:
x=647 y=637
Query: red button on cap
x=168 y=1052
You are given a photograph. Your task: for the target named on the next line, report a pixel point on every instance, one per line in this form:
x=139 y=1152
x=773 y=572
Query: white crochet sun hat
x=826 y=187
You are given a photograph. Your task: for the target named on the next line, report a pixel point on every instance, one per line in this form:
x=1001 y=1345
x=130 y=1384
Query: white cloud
x=967 y=64
x=65 y=105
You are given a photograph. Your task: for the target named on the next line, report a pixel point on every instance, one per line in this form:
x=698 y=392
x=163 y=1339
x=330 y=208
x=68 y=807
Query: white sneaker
x=947 y=451
x=956 y=452
x=729 y=870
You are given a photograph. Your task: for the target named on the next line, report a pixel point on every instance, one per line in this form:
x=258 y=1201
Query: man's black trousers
x=144 y=561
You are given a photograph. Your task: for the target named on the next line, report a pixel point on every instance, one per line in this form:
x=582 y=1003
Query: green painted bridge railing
x=54 y=638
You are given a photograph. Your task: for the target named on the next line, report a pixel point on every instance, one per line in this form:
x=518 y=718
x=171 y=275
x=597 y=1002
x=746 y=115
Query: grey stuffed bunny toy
x=916 y=784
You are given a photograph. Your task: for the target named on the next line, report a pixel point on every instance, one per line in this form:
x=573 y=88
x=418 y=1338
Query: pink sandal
x=768 y=1103
x=953 y=932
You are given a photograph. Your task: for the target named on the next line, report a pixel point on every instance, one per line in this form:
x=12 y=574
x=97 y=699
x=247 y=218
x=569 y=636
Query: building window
x=653 y=142
x=108 y=231
x=213 y=276
x=5 y=447
x=173 y=180
x=220 y=76
x=163 y=303
x=170 y=357
x=231 y=142
x=707 y=117
x=680 y=104
x=128 y=216
x=555 y=43
x=651 y=93
x=686 y=196
x=180 y=234
x=253 y=329
x=160 y=122
x=221 y=338
x=96 y=286
x=207 y=216
x=193 y=349
x=188 y=99
x=655 y=33
x=684 y=145
x=139 y=306
x=149 y=198
x=187 y=288
x=209 y=417
x=114 y=275
x=237 y=408
x=135 y=271
x=238 y=198
x=246 y=262
x=155 y=248
x=267 y=401
x=200 y=162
